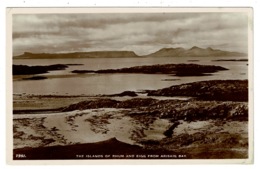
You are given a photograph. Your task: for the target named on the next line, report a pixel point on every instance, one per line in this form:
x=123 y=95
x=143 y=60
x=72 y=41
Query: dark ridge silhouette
x=222 y=90
x=231 y=60
x=194 y=51
x=125 y=93
x=35 y=78
x=94 y=54
x=171 y=109
x=173 y=69
x=30 y=70
x=97 y=150
x=164 y=52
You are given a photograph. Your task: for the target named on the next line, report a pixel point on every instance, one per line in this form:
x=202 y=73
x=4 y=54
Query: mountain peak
x=166 y=49
x=93 y=54
x=194 y=47
x=209 y=48
x=170 y=49
x=194 y=51
x=27 y=53
x=163 y=52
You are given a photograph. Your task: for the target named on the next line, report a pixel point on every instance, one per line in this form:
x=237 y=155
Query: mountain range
x=164 y=52
x=194 y=51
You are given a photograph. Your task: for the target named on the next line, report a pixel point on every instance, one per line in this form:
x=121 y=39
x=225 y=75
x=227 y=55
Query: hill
x=95 y=54
x=194 y=51
x=164 y=52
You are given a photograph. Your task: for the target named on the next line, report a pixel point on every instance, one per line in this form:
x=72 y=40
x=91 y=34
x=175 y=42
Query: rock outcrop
x=172 y=69
x=222 y=90
x=172 y=109
x=125 y=93
x=35 y=78
x=29 y=70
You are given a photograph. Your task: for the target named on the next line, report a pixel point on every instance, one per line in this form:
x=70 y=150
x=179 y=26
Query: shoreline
x=148 y=124
x=213 y=90
x=43 y=132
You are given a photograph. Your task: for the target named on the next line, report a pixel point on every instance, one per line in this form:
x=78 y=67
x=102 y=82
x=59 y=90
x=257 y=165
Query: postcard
x=129 y=85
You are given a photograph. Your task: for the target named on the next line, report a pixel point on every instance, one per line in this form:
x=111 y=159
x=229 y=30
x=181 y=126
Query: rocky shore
x=221 y=90
x=33 y=70
x=125 y=93
x=35 y=78
x=211 y=125
x=29 y=70
x=171 y=109
x=171 y=69
x=194 y=129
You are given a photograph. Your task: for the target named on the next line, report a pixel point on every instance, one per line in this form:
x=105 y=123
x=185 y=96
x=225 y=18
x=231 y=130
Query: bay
x=64 y=82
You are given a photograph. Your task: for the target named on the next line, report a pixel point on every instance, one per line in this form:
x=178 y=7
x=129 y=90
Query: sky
x=143 y=33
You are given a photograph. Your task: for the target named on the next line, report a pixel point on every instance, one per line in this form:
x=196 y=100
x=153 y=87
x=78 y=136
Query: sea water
x=63 y=82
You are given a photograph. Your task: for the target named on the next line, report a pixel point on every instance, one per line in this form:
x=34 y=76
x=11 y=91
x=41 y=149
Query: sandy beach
x=147 y=124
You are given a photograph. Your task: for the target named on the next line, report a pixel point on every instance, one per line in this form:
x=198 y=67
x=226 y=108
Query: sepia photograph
x=130 y=84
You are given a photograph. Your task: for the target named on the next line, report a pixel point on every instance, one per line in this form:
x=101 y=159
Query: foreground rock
x=194 y=129
x=172 y=109
x=29 y=70
x=125 y=93
x=173 y=69
x=222 y=90
x=212 y=139
x=35 y=78
x=169 y=132
x=208 y=127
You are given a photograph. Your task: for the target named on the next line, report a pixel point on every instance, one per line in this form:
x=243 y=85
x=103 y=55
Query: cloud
x=142 y=33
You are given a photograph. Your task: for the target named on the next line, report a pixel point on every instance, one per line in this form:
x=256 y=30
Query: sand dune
x=86 y=126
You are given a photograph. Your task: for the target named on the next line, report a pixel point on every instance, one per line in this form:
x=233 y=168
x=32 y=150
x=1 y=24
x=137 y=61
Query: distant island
x=164 y=52
x=95 y=54
x=194 y=51
x=171 y=69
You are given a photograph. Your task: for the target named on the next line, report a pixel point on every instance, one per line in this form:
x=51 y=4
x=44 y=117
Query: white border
x=11 y=11
x=136 y=3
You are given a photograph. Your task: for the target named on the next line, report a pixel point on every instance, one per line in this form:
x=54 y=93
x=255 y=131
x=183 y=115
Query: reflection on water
x=65 y=83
